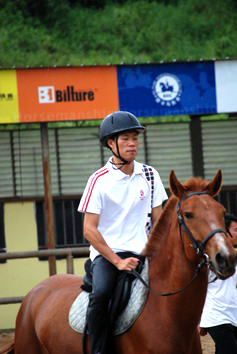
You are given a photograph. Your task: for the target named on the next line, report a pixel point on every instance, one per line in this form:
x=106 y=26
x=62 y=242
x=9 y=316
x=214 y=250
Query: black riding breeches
x=105 y=275
x=225 y=338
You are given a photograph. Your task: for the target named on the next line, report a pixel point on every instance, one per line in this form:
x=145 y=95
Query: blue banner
x=167 y=89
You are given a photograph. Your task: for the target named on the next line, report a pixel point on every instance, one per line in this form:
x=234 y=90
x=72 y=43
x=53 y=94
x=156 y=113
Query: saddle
x=122 y=291
x=123 y=310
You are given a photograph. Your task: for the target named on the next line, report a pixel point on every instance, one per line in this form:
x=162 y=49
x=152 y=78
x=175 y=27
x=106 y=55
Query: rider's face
x=128 y=143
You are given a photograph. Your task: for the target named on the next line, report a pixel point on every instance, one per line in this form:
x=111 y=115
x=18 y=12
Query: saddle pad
x=77 y=313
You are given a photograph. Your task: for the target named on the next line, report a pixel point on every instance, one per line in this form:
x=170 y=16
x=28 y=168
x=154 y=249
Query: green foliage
x=64 y=32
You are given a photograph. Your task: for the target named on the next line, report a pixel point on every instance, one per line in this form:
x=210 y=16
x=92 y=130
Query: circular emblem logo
x=167 y=89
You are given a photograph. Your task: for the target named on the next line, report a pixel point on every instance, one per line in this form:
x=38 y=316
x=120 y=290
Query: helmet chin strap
x=123 y=161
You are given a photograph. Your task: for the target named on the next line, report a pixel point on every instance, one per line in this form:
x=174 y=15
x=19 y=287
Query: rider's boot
x=96 y=321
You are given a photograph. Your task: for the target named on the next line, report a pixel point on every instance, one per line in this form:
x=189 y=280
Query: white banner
x=226 y=86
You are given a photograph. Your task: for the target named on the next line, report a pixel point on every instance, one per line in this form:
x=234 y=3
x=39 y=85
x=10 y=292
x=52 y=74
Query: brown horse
x=180 y=246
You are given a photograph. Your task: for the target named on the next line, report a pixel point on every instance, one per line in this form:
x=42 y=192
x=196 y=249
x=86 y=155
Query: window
x=68 y=223
x=228 y=198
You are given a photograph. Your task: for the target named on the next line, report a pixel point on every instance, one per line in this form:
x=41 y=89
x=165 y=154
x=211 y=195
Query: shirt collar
x=118 y=174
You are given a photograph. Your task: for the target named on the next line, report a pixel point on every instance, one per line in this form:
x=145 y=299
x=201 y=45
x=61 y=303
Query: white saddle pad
x=77 y=313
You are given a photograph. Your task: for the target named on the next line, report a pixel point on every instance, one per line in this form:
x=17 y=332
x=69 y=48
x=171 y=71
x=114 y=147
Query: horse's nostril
x=220 y=260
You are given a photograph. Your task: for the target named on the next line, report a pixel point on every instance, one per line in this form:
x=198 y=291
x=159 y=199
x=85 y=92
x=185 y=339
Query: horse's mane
x=162 y=226
x=160 y=229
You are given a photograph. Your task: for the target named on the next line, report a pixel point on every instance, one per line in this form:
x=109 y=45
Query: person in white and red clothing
x=118 y=201
x=219 y=315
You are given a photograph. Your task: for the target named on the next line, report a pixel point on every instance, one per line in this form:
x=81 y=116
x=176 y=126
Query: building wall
x=18 y=276
x=167 y=146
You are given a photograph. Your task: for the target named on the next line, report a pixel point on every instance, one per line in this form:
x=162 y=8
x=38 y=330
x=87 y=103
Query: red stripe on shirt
x=91 y=186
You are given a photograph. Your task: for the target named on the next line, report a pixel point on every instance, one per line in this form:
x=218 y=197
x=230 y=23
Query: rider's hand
x=202 y=331
x=127 y=263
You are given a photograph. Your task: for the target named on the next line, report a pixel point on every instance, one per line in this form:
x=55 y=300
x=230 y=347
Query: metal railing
x=68 y=252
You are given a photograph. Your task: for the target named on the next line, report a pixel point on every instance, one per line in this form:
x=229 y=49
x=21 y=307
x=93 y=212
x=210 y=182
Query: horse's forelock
x=195 y=184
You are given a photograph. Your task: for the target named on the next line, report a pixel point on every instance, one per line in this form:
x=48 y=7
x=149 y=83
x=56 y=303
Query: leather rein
x=198 y=247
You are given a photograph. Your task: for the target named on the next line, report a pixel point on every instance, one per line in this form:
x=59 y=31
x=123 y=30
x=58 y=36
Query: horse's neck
x=176 y=256
x=171 y=271
x=173 y=260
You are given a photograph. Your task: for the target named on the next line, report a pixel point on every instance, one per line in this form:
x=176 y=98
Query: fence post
x=70 y=265
x=48 y=195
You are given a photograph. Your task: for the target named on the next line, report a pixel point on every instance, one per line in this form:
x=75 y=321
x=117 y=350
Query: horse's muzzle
x=224 y=265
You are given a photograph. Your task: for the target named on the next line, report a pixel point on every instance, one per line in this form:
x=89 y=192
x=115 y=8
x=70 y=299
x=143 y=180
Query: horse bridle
x=198 y=246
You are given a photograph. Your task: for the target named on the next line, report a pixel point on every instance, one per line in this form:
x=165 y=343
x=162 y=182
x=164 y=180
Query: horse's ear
x=175 y=186
x=214 y=186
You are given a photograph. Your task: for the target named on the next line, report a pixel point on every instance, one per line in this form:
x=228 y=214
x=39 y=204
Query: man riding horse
x=119 y=201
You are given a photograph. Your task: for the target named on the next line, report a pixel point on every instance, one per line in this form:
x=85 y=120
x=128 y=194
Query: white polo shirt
x=123 y=203
x=221 y=302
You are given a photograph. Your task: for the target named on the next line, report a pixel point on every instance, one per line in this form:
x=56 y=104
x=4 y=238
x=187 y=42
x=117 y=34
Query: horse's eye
x=188 y=215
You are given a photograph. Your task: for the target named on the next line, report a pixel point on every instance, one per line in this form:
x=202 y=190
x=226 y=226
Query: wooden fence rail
x=68 y=252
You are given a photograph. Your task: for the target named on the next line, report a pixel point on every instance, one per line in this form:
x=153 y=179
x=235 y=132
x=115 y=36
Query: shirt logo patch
x=142 y=195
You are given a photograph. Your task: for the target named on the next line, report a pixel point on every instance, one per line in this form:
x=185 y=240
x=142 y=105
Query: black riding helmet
x=116 y=123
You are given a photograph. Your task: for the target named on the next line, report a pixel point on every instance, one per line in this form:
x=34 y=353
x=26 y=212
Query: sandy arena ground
x=207 y=343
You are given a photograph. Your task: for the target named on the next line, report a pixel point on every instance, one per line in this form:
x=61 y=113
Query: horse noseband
x=198 y=246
